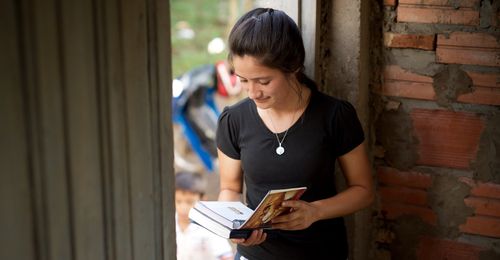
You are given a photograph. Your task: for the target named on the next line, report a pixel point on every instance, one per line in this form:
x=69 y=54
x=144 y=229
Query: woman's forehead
x=250 y=68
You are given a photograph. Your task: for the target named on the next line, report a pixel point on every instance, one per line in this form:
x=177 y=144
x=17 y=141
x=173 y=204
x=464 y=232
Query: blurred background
x=196 y=24
x=203 y=82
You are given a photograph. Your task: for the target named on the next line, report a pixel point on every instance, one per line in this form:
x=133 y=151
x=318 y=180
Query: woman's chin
x=262 y=104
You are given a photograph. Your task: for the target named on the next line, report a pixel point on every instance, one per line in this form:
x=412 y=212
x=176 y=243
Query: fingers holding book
x=302 y=215
x=258 y=236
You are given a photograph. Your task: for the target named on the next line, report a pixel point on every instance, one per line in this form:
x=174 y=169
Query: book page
x=225 y=212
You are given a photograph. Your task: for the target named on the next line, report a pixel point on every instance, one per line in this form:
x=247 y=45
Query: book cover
x=233 y=219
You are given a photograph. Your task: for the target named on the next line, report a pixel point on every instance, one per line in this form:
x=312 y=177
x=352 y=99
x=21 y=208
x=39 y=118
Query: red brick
x=486 y=96
x=465 y=39
x=446 y=138
x=401 y=83
x=468 y=48
x=395 y=72
x=484 y=207
x=393 y=177
x=480 y=225
x=486 y=89
x=483 y=79
x=403 y=195
x=390 y=2
x=486 y=190
x=415 y=41
x=440 y=249
x=482 y=189
x=463 y=3
x=439 y=15
x=396 y=210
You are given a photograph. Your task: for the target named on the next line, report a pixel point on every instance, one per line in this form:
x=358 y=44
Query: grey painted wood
x=164 y=129
x=115 y=142
x=160 y=71
x=79 y=75
x=140 y=149
x=54 y=227
x=16 y=218
x=86 y=159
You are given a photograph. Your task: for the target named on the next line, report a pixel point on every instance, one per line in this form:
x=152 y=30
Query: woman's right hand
x=258 y=236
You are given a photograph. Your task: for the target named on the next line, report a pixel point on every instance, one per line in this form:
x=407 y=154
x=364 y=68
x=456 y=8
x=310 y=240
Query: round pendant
x=280 y=150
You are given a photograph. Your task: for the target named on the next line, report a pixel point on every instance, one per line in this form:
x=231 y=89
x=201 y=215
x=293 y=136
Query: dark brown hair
x=273 y=38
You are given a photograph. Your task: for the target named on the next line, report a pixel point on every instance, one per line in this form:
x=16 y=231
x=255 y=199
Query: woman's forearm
x=347 y=202
x=229 y=195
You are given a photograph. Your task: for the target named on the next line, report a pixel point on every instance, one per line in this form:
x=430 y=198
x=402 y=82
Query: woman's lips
x=260 y=100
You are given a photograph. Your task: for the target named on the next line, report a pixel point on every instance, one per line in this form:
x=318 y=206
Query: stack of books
x=233 y=219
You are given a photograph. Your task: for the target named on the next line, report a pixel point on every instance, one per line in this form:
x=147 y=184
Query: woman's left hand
x=301 y=216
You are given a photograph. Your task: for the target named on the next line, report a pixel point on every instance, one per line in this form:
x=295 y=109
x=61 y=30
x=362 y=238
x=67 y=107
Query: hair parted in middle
x=271 y=37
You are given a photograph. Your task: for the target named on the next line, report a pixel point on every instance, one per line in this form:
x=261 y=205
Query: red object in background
x=227 y=82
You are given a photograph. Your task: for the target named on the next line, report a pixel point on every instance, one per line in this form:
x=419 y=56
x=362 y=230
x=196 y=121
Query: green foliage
x=208 y=19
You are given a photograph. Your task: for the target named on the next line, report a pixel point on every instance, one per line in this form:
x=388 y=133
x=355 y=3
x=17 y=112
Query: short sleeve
x=227 y=134
x=348 y=133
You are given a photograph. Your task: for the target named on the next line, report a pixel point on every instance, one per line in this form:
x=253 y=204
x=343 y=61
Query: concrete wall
x=436 y=110
x=344 y=71
x=86 y=140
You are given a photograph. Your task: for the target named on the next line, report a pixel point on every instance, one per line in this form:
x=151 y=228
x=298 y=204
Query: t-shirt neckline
x=292 y=127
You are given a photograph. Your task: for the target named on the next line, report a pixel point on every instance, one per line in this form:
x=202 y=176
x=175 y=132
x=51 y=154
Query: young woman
x=288 y=134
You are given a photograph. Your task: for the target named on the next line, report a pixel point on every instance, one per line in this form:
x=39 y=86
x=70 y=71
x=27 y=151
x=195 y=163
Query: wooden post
x=86 y=161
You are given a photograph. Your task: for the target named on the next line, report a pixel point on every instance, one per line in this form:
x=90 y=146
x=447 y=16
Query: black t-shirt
x=327 y=129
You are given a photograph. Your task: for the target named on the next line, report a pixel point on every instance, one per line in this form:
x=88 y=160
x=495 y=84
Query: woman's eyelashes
x=264 y=82
x=260 y=82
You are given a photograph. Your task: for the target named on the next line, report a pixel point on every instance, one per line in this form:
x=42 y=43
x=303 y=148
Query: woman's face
x=267 y=87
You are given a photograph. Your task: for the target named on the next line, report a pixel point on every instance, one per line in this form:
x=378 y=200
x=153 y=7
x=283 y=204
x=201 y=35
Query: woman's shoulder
x=236 y=112
x=237 y=107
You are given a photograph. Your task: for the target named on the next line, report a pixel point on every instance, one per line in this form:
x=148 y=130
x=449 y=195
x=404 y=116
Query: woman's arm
x=231 y=178
x=358 y=195
x=360 y=190
x=231 y=185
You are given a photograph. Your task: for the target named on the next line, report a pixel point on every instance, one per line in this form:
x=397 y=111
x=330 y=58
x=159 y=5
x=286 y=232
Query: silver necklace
x=280 y=149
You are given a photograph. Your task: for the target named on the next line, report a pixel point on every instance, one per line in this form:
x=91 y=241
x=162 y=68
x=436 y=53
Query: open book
x=233 y=219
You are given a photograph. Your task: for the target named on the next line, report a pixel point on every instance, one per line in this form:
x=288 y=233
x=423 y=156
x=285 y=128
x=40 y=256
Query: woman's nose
x=253 y=91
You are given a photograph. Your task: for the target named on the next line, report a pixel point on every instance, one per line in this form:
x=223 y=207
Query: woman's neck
x=279 y=119
x=296 y=102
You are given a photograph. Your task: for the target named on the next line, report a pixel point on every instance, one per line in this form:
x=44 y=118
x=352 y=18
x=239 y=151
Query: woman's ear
x=293 y=77
x=297 y=73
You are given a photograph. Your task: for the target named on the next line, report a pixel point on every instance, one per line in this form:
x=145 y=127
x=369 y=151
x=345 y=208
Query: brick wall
x=437 y=129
